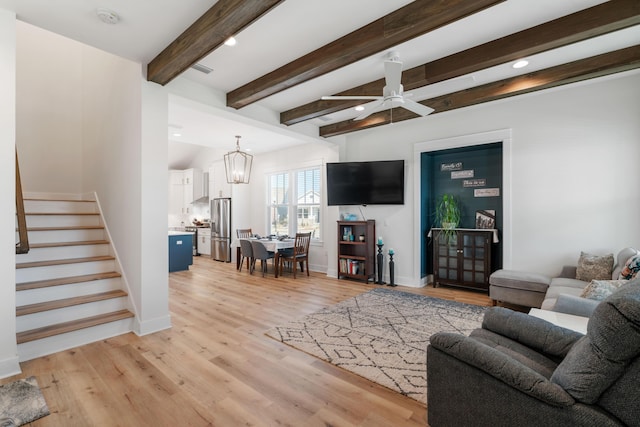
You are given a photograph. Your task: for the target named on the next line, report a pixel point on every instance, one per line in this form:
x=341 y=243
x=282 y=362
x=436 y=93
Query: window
x=279 y=197
x=308 y=201
x=303 y=204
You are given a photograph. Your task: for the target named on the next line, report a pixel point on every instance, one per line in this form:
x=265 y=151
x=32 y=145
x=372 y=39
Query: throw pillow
x=600 y=289
x=631 y=268
x=594 y=267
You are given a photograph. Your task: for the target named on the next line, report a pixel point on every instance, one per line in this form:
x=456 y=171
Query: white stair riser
x=34 y=296
x=67 y=314
x=63 y=252
x=56 y=236
x=65 y=270
x=62 y=220
x=31 y=350
x=59 y=206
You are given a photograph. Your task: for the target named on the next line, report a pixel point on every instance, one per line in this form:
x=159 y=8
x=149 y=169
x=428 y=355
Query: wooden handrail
x=22 y=247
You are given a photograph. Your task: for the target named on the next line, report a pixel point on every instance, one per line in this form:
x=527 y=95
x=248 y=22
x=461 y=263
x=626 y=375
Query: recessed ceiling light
x=108 y=16
x=359 y=108
x=247 y=149
x=177 y=134
x=231 y=41
x=520 y=64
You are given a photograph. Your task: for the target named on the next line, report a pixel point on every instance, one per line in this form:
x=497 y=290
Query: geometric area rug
x=381 y=335
x=21 y=402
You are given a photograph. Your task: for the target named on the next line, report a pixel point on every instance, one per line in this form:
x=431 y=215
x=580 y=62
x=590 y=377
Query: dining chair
x=246 y=251
x=261 y=253
x=300 y=254
x=244 y=233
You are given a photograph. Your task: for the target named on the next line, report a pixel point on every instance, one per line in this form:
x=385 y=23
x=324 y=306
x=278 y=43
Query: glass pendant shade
x=238 y=165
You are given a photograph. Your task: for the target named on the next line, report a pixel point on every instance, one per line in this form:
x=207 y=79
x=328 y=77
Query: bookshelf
x=357 y=250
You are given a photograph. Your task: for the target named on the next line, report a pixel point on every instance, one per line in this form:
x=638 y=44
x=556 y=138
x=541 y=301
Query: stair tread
x=68 y=228
x=68 y=302
x=66 y=280
x=40 y=199
x=62 y=213
x=59 y=244
x=74 y=325
x=64 y=261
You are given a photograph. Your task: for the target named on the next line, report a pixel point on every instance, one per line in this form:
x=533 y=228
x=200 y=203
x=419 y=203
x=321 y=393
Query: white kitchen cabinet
x=193 y=185
x=185 y=186
x=218 y=185
x=204 y=241
x=176 y=193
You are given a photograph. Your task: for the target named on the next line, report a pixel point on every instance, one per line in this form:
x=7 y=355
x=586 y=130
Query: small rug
x=381 y=335
x=21 y=402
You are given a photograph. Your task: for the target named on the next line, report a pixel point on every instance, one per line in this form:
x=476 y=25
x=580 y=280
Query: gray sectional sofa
x=536 y=290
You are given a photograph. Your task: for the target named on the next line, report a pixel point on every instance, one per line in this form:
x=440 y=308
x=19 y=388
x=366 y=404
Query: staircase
x=69 y=291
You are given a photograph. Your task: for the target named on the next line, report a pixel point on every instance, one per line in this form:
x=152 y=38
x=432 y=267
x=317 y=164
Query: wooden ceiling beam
x=225 y=19
x=595 y=21
x=413 y=20
x=595 y=66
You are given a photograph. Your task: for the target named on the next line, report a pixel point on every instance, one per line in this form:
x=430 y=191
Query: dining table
x=272 y=245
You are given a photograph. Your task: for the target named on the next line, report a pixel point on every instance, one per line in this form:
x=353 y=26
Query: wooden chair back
x=243 y=233
x=301 y=245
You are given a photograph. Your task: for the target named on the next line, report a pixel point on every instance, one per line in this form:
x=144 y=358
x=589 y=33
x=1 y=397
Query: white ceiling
x=293 y=28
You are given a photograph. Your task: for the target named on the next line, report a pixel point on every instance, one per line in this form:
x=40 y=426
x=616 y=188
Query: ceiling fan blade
x=368 y=110
x=347 y=98
x=393 y=76
x=419 y=109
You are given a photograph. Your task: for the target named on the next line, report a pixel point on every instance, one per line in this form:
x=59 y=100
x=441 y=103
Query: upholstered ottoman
x=518 y=287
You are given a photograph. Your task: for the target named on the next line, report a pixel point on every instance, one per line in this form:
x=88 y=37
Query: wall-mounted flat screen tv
x=365 y=183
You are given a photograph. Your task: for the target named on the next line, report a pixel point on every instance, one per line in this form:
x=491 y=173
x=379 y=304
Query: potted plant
x=447 y=214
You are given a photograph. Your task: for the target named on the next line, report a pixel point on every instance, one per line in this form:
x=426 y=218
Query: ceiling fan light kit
x=392 y=94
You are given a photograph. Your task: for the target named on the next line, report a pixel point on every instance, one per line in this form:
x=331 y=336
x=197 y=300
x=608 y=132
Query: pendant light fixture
x=238 y=165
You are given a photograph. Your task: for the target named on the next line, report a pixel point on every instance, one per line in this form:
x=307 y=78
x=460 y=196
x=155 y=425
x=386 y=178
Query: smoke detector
x=108 y=16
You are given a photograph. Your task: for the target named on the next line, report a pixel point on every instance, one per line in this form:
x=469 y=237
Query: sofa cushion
x=613 y=339
x=594 y=267
x=532 y=359
x=520 y=280
x=631 y=268
x=561 y=285
x=577 y=306
x=600 y=289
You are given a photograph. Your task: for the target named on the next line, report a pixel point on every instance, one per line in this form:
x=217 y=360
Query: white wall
x=575 y=155
x=49 y=139
x=154 y=246
x=8 y=348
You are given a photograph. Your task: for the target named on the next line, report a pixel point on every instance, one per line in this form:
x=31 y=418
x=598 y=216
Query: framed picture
x=486 y=219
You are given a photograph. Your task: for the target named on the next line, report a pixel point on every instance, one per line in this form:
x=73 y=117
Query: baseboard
x=10 y=367
x=151 y=326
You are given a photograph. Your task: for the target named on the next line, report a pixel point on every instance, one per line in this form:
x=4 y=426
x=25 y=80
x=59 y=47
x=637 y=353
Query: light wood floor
x=216 y=367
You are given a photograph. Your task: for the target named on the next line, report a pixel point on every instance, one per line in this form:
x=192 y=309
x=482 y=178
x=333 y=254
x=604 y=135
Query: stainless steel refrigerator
x=221 y=229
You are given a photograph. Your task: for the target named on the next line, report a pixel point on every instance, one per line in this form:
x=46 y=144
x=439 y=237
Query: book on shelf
x=352 y=266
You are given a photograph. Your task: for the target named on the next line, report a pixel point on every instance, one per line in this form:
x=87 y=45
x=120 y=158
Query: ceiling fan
x=392 y=94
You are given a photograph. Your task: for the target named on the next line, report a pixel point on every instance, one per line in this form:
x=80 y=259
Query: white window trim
x=292 y=208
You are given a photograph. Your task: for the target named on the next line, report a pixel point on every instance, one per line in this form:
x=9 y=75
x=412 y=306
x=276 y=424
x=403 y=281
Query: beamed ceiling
x=412 y=21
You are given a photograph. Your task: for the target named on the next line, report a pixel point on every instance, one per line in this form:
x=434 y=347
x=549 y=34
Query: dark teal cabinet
x=180 y=252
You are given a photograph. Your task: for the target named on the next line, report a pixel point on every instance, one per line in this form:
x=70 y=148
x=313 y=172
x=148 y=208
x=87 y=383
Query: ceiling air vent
x=202 y=68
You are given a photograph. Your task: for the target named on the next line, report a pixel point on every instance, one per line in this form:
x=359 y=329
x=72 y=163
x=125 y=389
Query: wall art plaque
x=478 y=182
x=486 y=192
x=462 y=174
x=453 y=166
